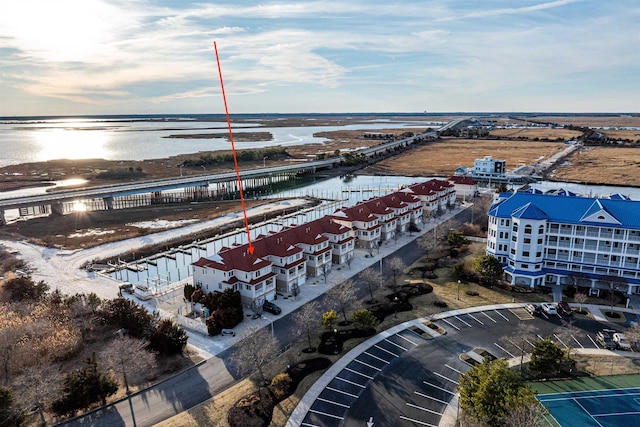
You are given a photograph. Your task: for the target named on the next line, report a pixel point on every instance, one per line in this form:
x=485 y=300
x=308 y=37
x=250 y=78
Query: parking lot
x=408 y=378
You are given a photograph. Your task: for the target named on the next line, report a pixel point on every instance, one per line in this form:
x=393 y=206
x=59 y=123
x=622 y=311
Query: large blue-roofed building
x=546 y=240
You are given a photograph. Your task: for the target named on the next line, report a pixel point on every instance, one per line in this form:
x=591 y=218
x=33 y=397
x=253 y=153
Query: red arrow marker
x=233 y=149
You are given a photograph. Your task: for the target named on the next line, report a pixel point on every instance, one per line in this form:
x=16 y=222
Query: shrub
x=280 y=384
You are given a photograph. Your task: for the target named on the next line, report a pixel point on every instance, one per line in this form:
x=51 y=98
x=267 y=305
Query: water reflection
x=71 y=144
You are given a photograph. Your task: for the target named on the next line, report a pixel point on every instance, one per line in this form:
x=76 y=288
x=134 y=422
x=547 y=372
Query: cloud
x=114 y=52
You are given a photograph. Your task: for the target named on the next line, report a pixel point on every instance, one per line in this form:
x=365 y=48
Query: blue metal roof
x=529 y=211
x=569 y=210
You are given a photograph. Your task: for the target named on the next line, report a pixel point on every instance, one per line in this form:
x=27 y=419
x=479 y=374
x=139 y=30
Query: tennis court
x=598 y=408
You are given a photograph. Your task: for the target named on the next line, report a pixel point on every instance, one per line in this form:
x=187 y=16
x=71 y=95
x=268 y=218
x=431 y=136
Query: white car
x=621 y=342
x=549 y=308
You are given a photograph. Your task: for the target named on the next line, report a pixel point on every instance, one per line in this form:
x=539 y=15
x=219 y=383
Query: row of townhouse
x=283 y=260
x=546 y=240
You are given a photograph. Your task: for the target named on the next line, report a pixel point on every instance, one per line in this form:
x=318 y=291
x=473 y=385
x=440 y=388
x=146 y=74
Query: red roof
x=464 y=180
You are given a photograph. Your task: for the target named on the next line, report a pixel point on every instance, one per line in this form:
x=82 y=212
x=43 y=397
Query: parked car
x=549 y=308
x=270 y=307
x=228 y=333
x=533 y=309
x=563 y=308
x=621 y=341
x=604 y=338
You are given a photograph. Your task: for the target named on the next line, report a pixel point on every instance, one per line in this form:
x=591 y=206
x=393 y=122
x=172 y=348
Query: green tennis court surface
x=598 y=408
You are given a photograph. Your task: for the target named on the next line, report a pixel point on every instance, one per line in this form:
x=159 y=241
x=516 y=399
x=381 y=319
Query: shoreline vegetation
x=237 y=136
x=614 y=161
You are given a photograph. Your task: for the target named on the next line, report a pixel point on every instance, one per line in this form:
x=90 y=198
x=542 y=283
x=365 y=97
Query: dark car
x=270 y=307
x=533 y=309
x=604 y=338
x=563 y=308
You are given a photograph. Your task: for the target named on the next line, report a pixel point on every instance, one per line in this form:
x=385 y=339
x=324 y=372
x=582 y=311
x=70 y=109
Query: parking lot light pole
x=270 y=321
x=458 y=290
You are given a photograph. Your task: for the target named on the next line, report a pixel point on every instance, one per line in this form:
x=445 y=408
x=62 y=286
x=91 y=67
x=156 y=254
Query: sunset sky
x=141 y=56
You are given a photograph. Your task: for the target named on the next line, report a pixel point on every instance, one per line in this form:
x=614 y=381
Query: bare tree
x=633 y=335
x=129 y=359
x=566 y=336
x=342 y=297
x=254 y=351
x=307 y=319
x=39 y=385
x=580 y=298
x=523 y=340
x=326 y=270
x=529 y=414
x=372 y=278
x=397 y=266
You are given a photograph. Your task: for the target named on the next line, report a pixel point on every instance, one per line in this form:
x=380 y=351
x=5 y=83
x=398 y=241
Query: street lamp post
x=264 y=161
x=270 y=321
x=458 y=290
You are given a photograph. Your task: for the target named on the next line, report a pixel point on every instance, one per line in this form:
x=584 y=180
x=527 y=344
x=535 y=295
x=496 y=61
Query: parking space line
x=594 y=343
x=450 y=324
x=430 y=397
x=577 y=342
x=366 y=364
x=326 y=414
x=462 y=321
x=475 y=318
x=359 y=373
x=376 y=357
x=333 y=403
x=561 y=342
x=489 y=317
x=501 y=315
x=515 y=345
x=397 y=345
x=342 y=392
x=446 y=378
x=423 y=409
x=385 y=350
x=350 y=382
x=405 y=338
x=422 y=423
x=501 y=348
x=452 y=368
x=308 y=425
x=439 y=388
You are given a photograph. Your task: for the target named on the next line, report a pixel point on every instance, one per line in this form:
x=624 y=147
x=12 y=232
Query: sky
x=80 y=57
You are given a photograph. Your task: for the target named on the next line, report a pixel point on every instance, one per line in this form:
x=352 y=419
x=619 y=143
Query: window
x=538 y=254
x=525 y=266
x=541 y=229
x=527 y=241
x=515 y=227
x=527 y=229
x=540 y=241
x=525 y=253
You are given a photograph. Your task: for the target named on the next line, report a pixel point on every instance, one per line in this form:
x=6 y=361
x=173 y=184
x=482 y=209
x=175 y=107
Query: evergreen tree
x=488 y=268
x=168 y=338
x=546 y=358
x=490 y=390
x=84 y=387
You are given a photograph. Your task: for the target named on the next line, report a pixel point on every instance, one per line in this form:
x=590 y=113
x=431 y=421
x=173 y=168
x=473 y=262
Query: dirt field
x=540 y=133
x=603 y=165
x=444 y=156
x=621 y=120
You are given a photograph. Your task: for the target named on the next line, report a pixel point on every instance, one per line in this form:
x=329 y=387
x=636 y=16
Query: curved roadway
x=407 y=375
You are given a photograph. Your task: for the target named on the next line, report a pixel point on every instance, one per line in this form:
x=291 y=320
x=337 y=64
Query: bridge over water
x=194 y=187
